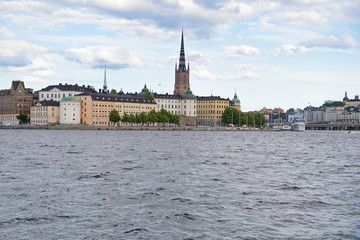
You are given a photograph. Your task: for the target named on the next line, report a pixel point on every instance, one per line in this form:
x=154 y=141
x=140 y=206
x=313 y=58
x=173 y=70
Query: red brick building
x=14 y=101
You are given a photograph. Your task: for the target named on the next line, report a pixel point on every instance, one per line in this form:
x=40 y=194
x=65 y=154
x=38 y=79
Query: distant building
x=45 y=112
x=235 y=103
x=70 y=110
x=58 y=92
x=96 y=107
x=353 y=102
x=14 y=101
x=210 y=110
x=297 y=115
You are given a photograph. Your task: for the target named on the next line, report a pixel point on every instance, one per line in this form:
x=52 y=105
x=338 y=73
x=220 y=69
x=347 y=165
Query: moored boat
x=298 y=126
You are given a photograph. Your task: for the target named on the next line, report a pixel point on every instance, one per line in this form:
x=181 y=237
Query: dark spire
x=182 y=54
x=105 y=84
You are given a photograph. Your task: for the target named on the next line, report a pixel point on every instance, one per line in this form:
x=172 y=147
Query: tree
x=113 y=91
x=143 y=118
x=125 y=118
x=114 y=116
x=149 y=95
x=132 y=118
x=23 y=118
x=152 y=116
x=227 y=116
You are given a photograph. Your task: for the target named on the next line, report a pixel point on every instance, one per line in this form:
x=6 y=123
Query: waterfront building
x=353 y=102
x=235 y=103
x=210 y=110
x=14 y=101
x=297 y=115
x=58 y=92
x=96 y=107
x=70 y=109
x=45 y=112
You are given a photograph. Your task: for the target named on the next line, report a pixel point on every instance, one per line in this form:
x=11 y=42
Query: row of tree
x=236 y=117
x=152 y=117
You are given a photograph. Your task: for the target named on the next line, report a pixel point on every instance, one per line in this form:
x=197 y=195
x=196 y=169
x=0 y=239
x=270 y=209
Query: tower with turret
x=182 y=73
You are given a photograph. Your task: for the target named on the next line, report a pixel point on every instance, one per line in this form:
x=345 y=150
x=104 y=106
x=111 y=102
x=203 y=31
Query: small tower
x=105 y=84
x=182 y=81
x=345 y=99
x=235 y=102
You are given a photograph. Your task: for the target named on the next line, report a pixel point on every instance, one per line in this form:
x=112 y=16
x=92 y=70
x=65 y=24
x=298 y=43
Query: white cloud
x=241 y=51
x=301 y=18
x=345 y=41
x=99 y=56
x=291 y=49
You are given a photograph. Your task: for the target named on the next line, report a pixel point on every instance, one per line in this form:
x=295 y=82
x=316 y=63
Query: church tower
x=182 y=81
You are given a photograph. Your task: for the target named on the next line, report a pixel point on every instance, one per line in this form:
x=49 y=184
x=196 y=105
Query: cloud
x=301 y=18
x=99 y=56
x=15 y=53
x=291 y=49
x=241 y=51
x=345 y=41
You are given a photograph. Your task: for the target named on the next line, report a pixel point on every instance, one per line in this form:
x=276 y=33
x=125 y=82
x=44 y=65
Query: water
x=179 y=185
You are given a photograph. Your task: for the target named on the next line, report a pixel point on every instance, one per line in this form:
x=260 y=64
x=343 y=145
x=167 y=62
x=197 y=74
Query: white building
x=58 y=92
x=70 y=110
x=298 y=115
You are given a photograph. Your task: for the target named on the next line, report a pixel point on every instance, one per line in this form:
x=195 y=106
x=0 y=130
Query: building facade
x=96 y=107
x=210 y=110
x=70 y=109
x=45 y=113
x=14 y=101
x=58 y=92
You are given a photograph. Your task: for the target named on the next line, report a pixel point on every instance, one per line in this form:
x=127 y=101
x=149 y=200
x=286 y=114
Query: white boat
x=298 y=126
x=286 y=127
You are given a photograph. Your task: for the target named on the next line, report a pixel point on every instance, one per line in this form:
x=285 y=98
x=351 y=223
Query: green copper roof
x=143 y=91
x=235 y=99
x=70 y=99
x=188 y=95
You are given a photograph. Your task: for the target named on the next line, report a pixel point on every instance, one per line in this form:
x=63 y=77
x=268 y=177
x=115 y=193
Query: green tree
x=152 y=116
x=132 y=118
x=23 y=118
x=143 y=118
x=125 y=118
x=149 y=95
x=113 y=91
x=227 y=116
x=114 y=116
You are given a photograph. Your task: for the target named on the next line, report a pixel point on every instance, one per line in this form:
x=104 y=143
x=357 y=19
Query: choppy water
x=179 y=185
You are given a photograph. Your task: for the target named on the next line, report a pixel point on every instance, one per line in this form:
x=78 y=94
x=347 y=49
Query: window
x=184 y=79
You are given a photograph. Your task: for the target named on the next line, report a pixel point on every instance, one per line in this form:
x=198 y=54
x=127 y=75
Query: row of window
x=210 y=111
x=52 y=95
x=212 y=106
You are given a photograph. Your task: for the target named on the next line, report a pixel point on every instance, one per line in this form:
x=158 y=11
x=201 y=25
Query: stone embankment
x=129 y=128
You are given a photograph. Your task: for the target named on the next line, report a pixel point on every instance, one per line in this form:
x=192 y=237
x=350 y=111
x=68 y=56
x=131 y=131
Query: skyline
x=286 y=54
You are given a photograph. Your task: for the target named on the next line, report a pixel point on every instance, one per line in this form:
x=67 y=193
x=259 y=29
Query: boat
x=286 y=127
x=298 y=126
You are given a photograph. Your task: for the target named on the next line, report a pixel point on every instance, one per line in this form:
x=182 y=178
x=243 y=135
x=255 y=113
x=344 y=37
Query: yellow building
x=210 y=110
x=44 y=113
x=96 y=107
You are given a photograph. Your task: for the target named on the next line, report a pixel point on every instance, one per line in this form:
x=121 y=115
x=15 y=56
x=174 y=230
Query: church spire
x=105 y=84
x=182 y=65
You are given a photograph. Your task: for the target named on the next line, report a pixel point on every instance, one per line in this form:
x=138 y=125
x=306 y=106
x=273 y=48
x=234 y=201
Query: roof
x=70 y=99
x=212 y=98
x=69 y=87
x=167 y=96
x=47 y=103
x=189 y=95
x=108 y=97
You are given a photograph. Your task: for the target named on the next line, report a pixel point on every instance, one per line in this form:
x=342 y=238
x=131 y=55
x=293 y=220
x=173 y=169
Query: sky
x=276 y=53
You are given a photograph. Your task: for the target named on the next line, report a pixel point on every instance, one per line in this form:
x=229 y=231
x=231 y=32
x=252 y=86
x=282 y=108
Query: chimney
x=60 y=84
x=356 y=97
x=83 y=85
x=99 y=90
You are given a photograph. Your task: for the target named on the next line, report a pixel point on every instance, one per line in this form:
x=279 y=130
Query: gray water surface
x=179 y=185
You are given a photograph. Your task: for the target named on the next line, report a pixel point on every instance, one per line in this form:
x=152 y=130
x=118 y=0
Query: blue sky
x=279 y=53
